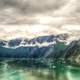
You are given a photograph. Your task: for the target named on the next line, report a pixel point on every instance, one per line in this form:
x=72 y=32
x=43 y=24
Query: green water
x=18 y=71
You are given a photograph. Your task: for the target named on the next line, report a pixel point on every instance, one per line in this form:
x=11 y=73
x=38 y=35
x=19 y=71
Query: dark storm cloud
x=32 y=6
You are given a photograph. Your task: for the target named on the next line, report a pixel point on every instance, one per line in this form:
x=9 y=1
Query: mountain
x=14 y=42
x=17 y=48
x=32 y=51
x=40 y=40
x=2 y=43
x=50 y=38
x=34 y=48
x=72 y=53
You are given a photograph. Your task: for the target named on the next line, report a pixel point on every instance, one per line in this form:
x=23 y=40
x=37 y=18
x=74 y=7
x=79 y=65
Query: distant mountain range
x=40 y=40
x=55 y=50
x=33 y=48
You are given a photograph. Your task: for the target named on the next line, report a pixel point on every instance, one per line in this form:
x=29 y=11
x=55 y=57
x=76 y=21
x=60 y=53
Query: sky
x=31 y=18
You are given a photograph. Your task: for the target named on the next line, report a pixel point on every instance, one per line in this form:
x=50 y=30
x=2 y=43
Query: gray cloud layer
x=23 y=11
x=32 y=6
x=60 y=16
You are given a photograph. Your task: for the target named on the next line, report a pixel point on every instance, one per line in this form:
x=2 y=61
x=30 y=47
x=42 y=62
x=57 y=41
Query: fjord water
x=25 y=70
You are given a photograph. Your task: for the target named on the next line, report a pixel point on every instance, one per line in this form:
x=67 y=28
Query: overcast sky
x=24 y=11
x=46 y=16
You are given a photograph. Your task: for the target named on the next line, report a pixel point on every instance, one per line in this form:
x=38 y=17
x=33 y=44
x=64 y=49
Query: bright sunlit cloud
x=37 y=29
x=45 y=19
x=71 y=27
x=28 y=31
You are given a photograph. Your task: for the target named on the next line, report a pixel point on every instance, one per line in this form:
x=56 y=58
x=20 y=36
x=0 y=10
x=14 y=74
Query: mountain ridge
x=58 y=50
x=33 y=41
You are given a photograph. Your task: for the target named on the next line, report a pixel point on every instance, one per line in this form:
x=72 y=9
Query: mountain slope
x=34 y=48
x=72 y=53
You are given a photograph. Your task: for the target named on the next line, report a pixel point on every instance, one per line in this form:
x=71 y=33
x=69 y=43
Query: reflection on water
x=22 y=70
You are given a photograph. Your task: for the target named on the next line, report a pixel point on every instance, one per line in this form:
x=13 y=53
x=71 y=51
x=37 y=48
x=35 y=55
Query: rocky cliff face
x=40 y=47
x=72 y=52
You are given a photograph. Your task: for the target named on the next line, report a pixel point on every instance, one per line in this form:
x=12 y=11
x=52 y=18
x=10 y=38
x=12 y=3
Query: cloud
x=32 y=6
x=24 y=11
x=57 y=16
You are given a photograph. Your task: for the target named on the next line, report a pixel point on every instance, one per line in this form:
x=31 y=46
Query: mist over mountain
x=40 y=47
